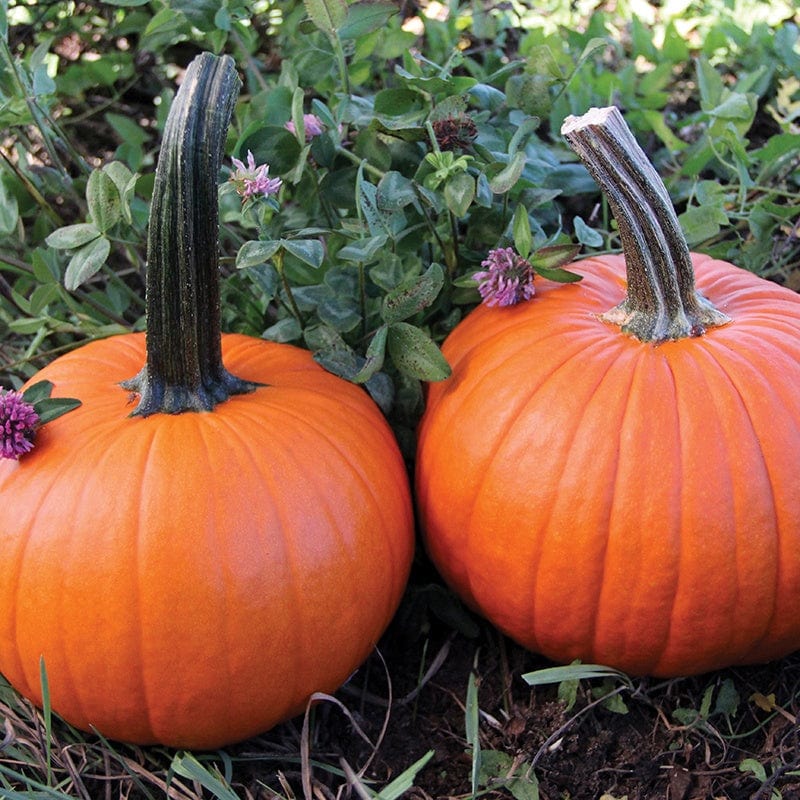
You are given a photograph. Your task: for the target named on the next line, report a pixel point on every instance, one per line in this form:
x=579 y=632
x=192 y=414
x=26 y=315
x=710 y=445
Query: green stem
x=662 y=303
x=287 y=287
x=37 y=196
x=184 y=369
x=341 y=60
x=451 y=253
x=374 y=171
x=362 y=297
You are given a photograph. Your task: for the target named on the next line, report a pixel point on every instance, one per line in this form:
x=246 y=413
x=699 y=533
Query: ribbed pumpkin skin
x=600 y=498
x=192 y=579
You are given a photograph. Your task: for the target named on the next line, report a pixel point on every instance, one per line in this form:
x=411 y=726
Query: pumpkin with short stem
x=191 y=570
x=612 y=476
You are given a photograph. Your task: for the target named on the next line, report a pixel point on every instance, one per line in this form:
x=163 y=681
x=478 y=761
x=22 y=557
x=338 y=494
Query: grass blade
x=573 y=672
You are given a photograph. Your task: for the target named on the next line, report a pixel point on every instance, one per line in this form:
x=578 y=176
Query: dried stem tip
x=662 y=302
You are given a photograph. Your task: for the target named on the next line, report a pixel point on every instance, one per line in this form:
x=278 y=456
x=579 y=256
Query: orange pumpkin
x=192 y=578
x=624 y=495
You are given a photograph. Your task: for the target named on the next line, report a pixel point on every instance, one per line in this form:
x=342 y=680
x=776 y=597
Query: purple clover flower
x=253 y=179
x=507 y=279
x=18 y=422
x=312 y=124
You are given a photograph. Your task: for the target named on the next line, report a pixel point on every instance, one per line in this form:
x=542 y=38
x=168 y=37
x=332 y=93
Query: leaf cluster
x=439 y=143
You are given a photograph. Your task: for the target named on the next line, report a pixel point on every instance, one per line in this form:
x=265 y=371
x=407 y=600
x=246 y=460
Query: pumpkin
x=611 y=472
x=190 y=571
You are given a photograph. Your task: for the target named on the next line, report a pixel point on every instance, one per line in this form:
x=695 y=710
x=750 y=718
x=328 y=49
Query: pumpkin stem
x=184 y=369
x=662 y=302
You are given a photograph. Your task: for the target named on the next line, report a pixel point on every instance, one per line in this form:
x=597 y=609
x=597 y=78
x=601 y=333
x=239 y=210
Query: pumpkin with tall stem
x=189 y=570
x=610 y=472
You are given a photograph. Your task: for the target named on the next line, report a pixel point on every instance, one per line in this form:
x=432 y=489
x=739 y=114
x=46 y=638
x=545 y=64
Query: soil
x=656 y=740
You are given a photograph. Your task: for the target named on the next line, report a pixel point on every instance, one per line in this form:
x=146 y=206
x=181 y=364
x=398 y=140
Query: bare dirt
x=698 y=738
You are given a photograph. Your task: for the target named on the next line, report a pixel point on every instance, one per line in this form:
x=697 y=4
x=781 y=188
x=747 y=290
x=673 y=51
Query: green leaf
x=524 y=788
x=379 y=221
x=363 y=250
x=586 y=234
x=655 y=119
x=309 y=251
x=777 y=154
x=256 y=252
x=594 y=44
x=265 y=277
x=86 y=261
x=366 y=17
x=459 y=192
x=284 y=330
x=42 y=296
x=103 y=197
x=702 y=222
x=125 y=181
x=612 y=700
x=524 y=130
x=395 y=191
x=591 y=46
x=54 y=407
x=465 y=281
x=573 y=672
x=754 y=766
x=530 y=93
x=331 y=351
x=222 y=19
x=615 y=704
x=38 y=391
x=9 y=211
x=452 y=84
x=727 y=702
x=498 y=770
x=327 y=15
x=506 y=179
x=340 y=311
x=72 y=236
x=45 y=267
x=541 y=58
x=25 y=325
x=559 y=275
x=735 y=106
x=472 y=729
x=390 y=271
x=296 y=173
x=42 y=82
x=414 y=353
x=568 y=693
x=705 y=703
x=764 y=217
x=297 y=115
x=127 y=129
x=709 y=82
x=381 y=389
x=187 y=766
x=410 y=298
x=376 y=353
x=685 y=716
x=398 y=103
x=405 y=780
x=48 y=408
x=521 y=229
x=273 y=145
x=554 y=256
